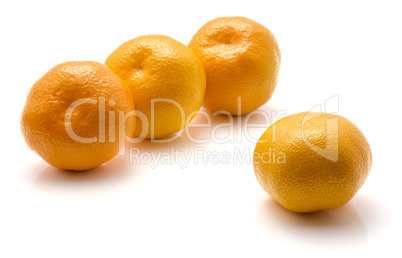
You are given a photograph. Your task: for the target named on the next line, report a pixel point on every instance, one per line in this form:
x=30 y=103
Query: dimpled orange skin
x=241 y=58
x=307 y=181
x=159 y=67
x=43 y=120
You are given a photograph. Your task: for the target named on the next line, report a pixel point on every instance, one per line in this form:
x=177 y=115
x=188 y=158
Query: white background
x=350 y=50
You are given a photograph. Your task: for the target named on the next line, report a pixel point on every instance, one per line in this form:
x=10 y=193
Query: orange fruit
x=166 y=79
x=312 y=161
x=74 y=115
x=241 y=59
